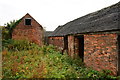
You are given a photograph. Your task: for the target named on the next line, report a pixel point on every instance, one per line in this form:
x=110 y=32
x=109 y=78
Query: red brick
x=33 y=32
x=105 y=49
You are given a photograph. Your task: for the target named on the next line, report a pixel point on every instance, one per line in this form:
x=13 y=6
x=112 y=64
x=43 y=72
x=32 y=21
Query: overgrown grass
x=22 y=59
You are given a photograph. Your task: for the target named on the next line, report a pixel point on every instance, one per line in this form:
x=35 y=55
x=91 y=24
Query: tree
x=8 y=29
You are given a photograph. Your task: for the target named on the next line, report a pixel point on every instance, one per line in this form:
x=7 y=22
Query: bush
x=18 y=45
x=48 y=49
x=60 y=66
x=5 y=33
x=31 y=64
x=8 y=29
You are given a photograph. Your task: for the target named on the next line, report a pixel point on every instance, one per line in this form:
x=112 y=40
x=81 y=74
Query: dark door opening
x=118 y=55
x=66 y=42
x=81 y=46
x=65 y=49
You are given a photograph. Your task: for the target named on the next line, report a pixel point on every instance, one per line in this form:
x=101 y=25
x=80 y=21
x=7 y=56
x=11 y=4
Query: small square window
x=27 y=21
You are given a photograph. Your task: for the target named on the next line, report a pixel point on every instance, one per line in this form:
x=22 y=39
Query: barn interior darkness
x=27 y=21
x=66 y=43
x=80 y=46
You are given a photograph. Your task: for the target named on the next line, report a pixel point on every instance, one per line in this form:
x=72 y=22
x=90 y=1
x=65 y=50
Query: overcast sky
x=50 y=13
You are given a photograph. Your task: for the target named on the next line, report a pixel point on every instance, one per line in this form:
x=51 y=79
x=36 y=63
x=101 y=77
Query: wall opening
x=65 y=49
x=81 y=46
x=118 y=55
x=27 y=21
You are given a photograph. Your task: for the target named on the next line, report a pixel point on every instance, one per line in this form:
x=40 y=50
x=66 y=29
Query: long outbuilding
x=95 y=38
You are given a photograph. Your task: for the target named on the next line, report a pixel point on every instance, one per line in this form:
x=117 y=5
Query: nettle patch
x=22 y=59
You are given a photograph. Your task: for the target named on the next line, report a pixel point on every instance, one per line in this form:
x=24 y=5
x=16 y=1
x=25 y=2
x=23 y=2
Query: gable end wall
x=33 y=32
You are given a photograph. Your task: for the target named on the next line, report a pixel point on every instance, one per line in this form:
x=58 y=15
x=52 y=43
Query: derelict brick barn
x=57 y=41
x=29 y=29
x=46 y=39
x=95 y=38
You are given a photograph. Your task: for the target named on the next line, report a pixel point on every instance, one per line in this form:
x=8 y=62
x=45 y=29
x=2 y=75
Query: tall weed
x=18 y=45
x=22 y=59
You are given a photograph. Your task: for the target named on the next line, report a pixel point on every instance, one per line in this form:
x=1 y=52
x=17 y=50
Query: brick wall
x=71 y=48
x=33 y=32
x=57 y=41
x=76 y=45
x=101 y=51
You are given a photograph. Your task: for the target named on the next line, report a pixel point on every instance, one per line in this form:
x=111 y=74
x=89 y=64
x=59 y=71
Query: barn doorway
x=65 y=49
x=119 y=55
x=80 y=46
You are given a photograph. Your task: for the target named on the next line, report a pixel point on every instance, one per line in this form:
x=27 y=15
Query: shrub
x=8 y=29
x=5 y=33
x=48 y=49
x=18 y=45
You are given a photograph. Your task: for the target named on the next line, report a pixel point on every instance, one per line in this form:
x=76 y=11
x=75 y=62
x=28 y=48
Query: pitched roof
x=47 y=33
x=103 y=20
x=32 y=18
x=56 y=31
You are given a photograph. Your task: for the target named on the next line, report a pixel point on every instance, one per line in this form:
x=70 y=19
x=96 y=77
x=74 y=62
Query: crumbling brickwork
x=57 y=41
x=101 y=51
x=33 y=32
x=71 y=46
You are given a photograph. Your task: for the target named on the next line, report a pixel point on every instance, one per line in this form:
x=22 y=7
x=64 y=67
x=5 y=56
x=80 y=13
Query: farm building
x=57 y=41
x=29 y=29
x=95 y=38
x=46 y=40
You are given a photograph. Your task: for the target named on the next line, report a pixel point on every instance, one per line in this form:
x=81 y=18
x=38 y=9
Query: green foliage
x=8 y=29
x=5 y=33
x=60 y=66
x=27 y=60
x=48 y=49
x=18 y=45
x=90 y=73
